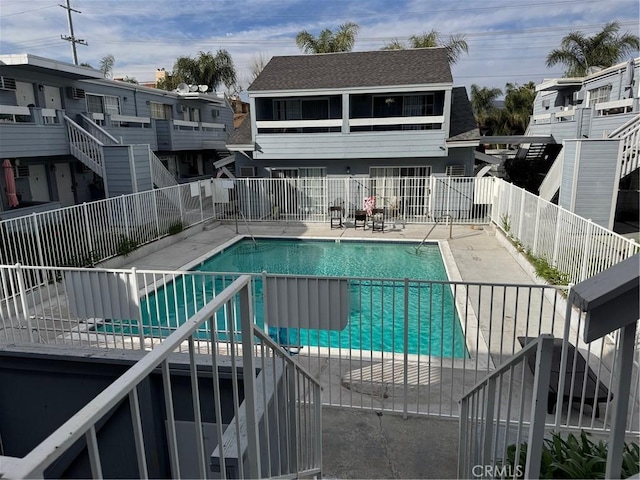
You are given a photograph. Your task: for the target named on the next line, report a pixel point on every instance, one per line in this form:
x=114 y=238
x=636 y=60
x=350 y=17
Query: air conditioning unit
x=7 y=83
x=546 y=103
x=182 y=108
x=21 y=171
x=76 y=93
x=578 y=97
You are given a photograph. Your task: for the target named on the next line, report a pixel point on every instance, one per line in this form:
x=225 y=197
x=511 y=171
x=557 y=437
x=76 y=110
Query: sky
x=508 y=39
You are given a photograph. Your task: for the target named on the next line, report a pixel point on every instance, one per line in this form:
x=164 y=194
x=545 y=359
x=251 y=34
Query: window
x=103 y=104
x=455 y=170
x=599 y=95
x=399 y=171
x=161 y=111
x=247 y=171
x=286 y=109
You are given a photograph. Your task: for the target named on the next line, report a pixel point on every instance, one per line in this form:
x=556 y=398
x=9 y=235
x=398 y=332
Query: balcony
x=128 y=129
x=32 y=132
x=175 y=135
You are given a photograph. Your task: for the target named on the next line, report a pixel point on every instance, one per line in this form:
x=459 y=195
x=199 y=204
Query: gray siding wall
x=597 y=182
x=28 y=140
x=360 y=166
x=404 y=144
x=568 y=167
x=603 y=125
x=142 y=167
x=117 y=179
x=135 y=135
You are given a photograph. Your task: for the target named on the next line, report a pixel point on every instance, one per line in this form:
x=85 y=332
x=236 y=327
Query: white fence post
x=534 y=249
x=179 y=190
x=556 y=242
x=521 y=217
x=36 y=230
x=126 y=217
x=155 y=212
x=586 y=250
x=200 y=198
x=23 y=301
x=134 y=294
x=87 y=227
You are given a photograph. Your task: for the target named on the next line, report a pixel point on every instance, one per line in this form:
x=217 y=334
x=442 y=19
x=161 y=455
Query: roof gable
x=355 y=69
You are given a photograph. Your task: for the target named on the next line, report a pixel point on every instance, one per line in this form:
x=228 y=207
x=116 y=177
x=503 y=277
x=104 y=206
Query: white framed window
x=599 y=95
x=103 y=104
x=161 y=111
x=455 y=170
x=422 y=171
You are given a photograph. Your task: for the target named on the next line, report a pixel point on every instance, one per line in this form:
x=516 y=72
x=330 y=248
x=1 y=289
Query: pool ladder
x=433 y=228
x=246 y=224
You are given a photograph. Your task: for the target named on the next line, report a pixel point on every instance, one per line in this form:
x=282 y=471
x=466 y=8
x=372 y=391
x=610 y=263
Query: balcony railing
x=283 y=394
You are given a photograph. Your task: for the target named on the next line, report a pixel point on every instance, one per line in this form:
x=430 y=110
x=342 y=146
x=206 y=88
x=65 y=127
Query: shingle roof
x=355 y=69
x=463 y=124
x=241 y=134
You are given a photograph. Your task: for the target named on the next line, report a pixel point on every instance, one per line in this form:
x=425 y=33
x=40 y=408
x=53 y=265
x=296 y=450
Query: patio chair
x=335 y=217
x=595 y=391
x=377 y=218
x=360 y=216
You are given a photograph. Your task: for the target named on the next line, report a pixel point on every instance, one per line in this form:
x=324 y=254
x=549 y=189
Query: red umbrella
x=10 y=184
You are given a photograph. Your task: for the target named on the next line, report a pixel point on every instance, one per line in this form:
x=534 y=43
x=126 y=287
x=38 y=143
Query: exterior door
x=38 y=183
x=52 y=97
x=65 y=184
x=25 y=95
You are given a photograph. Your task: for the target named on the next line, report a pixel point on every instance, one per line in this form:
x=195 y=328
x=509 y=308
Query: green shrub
x=575 y=457
x=126 y=245
x=175 y=228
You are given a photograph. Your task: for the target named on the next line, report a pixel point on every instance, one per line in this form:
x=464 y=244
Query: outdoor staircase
x=551 y=183
x=85 y=147
x=629 y=134
x=87 y=142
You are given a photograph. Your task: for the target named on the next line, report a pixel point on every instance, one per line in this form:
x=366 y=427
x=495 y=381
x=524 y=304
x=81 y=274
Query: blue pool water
x=376 y=320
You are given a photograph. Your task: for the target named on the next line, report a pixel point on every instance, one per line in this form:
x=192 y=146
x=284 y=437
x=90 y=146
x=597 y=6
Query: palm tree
x=456 y=45
x=518 y=105
x=206 y=69
x=578 y=51
x=328 y=41
x=482 y=103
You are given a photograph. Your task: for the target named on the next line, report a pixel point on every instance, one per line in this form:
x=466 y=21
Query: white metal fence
x=576 y=247
x=404 y=199
x=498 y=425
x=92 y=232
x=275 y=431
x=86 y=234
x=407 y=346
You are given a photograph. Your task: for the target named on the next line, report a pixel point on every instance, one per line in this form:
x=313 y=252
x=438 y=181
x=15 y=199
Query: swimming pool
x=376 y=320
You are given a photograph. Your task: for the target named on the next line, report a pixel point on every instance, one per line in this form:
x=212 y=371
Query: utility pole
x=71 y=38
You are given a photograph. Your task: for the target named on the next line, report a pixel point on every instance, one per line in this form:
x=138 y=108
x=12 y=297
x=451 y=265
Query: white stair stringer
x=160 y=176
x=551 y=183
x=98 y=132
x=629 y=135
x=85 y=147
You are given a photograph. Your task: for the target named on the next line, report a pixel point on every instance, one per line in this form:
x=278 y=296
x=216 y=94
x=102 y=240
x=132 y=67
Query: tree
x=257 y=64
x=518 y=105
x=106 y=65
x=456 y=45
x=206 y=69
x=578 y=51
x=327 y=42
x=482 y=102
